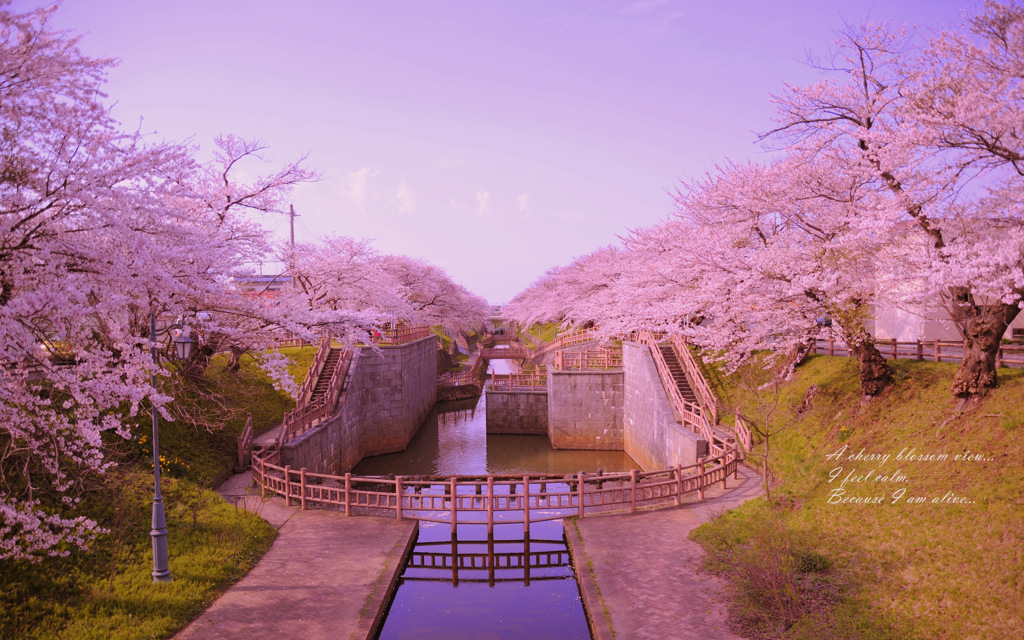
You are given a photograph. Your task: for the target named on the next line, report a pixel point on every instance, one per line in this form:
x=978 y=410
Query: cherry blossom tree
x=932 y=130
x=775 y=260
x=345 y=275
x=433 y=297
x=586 y=292
x=99 y=229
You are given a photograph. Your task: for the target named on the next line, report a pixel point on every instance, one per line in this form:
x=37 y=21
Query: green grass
x=928 y=570
x=545 y=332
x=446 y=340
x=107 y=592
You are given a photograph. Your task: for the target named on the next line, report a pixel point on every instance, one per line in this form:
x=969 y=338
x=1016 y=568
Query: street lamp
x=182 y=350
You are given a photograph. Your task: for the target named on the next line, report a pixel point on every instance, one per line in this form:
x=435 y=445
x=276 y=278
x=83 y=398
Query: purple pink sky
x=494 y=139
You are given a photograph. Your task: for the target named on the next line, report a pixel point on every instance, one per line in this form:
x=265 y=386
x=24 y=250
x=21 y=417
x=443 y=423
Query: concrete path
x=269 y=436
x=640 y=574
x=326 y=576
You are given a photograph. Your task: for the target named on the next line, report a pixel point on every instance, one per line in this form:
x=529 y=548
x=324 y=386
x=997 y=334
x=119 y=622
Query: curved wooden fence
x=490 y=500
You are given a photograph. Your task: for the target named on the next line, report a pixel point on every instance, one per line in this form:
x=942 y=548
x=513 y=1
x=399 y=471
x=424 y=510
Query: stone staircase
x=324 y=380
x=678 y=374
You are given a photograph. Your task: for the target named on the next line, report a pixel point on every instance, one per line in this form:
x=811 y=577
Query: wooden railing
x=245 y=445
x=690 y=413
x=292 y=342
x=576 y=336
x=519 y=381
x=401 y=335
x=742 y=428
x=696 y=378
x=514 y=352
x=1008 y=355
x=306 y=416
x=458 y=378
x=490 y=500
x=313 y=373
x=600 y=358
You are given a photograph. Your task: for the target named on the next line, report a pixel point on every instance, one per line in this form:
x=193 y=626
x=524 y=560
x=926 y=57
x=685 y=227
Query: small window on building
x=1018 y=333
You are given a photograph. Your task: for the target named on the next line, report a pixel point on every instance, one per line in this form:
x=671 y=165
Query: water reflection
x=453 y=440
x=470 y=586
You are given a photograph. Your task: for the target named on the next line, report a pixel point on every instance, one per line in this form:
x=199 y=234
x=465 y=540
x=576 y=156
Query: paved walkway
x=326 y=576
x=640 y=574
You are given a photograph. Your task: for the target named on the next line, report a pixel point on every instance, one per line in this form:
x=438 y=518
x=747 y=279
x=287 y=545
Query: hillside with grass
x=107 y=593
x=899 y=517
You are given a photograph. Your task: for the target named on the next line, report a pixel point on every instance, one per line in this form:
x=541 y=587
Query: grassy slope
x=926 y=570
x=545 y=332
x=108 y=591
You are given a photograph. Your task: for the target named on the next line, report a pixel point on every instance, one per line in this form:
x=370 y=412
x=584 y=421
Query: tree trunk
x=983 y=327
x=875 y=374
x=235 y=361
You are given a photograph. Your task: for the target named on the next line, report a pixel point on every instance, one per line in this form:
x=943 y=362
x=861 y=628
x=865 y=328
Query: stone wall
x=651 y=435
x=585 y=409
x=387 y=396
x=517 y=412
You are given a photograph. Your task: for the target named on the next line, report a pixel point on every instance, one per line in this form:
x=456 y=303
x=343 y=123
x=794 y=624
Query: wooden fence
x=514 y=352
x=568 y=339
x=519 y=381
x=401 y=335
x=245 y=445
x=491 y=500
x=743 y=433
x=1009 y=355
x=306 y=416
x=292 y=342
x=700 y=385
x=458 y=378
x=691 y=415
x=602 y=358
x=313 y=373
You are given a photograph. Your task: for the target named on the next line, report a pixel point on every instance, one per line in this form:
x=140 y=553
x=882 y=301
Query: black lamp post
x=161 y=571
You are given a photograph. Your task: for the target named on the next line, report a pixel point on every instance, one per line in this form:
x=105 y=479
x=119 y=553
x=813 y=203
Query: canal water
x=469 y=585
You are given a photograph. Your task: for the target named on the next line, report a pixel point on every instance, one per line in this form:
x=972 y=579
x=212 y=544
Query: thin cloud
x=483 y=201
x=404 y=199
x=358 y=187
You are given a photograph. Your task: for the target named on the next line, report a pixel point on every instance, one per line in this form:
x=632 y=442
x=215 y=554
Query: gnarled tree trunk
x=875 y=374
x=983 y=326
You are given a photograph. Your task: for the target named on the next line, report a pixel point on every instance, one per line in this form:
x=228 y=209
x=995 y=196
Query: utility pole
x=291 y=252
x=291 y=215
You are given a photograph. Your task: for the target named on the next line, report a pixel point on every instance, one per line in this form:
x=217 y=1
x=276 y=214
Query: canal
x=469 y=585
